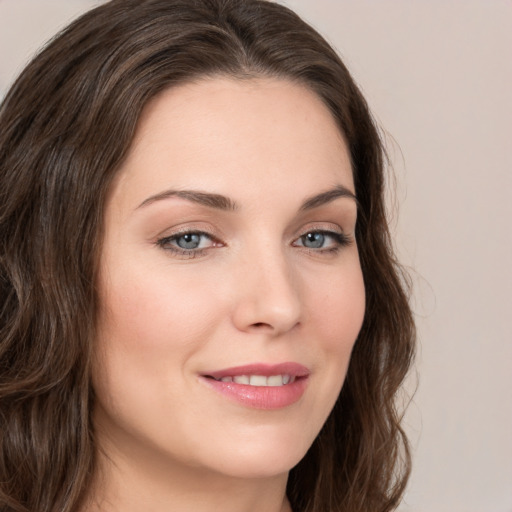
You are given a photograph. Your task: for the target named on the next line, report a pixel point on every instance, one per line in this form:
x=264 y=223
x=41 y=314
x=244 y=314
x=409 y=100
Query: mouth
x=258 y=380
x=260 y=386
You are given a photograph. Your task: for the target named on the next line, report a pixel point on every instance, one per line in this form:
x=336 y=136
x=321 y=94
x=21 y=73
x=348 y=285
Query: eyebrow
x=211 y=200
x=328 y=196
x=221 y=202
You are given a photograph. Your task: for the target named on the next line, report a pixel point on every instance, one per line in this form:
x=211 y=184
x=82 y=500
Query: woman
x=201 y=307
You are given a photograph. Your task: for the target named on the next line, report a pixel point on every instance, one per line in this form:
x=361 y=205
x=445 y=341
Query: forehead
x=235 y=136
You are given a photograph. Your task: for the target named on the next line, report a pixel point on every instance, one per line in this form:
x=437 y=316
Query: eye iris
x=189 y=241
x=313 y=240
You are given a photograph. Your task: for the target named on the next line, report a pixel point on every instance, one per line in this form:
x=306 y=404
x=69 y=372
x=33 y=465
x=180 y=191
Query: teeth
x=260 y=380
x=277 y=380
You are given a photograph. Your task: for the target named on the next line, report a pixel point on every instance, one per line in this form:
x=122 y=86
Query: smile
x=260 y=386
x=260 y=380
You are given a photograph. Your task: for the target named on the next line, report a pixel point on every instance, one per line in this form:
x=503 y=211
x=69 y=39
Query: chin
x=265 y=455
x=258 y=467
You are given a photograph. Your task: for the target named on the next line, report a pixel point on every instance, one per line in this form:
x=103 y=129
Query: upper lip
x=267 y=370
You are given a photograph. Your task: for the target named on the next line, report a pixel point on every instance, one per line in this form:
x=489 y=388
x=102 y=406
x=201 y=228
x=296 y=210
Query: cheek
x=151 y=324
x=338 y=309
x=151 y=311
x=149 y=329
x=337 y=313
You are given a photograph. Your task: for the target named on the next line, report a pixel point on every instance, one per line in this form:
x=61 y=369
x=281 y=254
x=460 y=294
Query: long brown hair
x=65 y=126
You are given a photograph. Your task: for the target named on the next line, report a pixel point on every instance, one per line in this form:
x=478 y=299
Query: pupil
x=314 y=240
x=189 y=241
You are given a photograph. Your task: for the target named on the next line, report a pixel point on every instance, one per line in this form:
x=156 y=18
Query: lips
x=267 y=370
x=260 y=386
x=260 y=380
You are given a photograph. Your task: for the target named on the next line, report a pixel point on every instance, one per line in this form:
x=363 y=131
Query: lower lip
x=261 y=397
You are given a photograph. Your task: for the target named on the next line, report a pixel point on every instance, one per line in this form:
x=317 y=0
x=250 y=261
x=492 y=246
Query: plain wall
x=438 y=77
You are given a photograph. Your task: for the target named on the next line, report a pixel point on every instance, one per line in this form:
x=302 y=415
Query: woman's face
x=230 y=287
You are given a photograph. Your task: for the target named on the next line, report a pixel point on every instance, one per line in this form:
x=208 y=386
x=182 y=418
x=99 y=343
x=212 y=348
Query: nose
x=268 y=295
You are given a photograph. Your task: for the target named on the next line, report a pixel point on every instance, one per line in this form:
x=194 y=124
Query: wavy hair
x=65 y=127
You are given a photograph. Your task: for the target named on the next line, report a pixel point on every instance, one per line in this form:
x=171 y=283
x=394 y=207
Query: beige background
x=438 y=75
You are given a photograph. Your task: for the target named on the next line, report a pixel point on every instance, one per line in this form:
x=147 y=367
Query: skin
x=253 y=292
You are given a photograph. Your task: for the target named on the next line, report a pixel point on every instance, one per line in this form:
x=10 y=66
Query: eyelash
x=165 y=243
x=340 y=240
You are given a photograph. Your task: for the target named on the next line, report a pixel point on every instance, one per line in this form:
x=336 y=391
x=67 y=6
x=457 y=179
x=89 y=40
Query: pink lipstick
x=260 y=386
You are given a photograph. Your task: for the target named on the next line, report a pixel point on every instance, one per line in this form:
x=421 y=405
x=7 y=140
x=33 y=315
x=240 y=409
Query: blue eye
x=188 y=241
x=313 y=240
x=188 y=244
x=323 y=241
